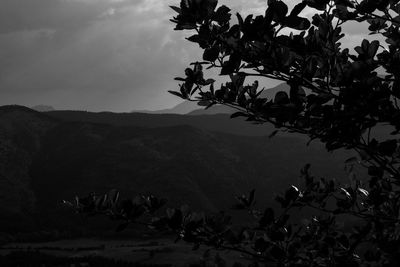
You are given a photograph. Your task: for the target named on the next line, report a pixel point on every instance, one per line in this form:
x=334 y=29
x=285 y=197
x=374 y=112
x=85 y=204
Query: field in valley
x=157 y=252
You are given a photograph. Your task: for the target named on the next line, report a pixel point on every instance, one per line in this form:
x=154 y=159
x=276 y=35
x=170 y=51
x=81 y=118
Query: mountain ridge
x=46 y=159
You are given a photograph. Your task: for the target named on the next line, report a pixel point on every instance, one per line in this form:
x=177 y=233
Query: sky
x=99 y=55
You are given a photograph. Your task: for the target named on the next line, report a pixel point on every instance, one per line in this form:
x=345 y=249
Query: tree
x=341 y=98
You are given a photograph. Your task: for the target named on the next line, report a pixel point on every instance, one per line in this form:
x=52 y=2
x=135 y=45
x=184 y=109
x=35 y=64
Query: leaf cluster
x=338 y=95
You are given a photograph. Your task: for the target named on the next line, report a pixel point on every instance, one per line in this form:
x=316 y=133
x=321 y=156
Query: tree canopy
x=346 y=97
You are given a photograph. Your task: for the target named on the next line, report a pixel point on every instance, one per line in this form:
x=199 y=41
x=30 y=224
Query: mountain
x=182 y=108
x=200 y=118
x=271 y=92
x=216 y=109
x=46 y=158
x=221 y=109
x=43 y=108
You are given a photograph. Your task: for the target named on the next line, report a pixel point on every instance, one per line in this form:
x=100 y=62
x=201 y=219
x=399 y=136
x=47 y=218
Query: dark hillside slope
x=216 y=122
x=181 y=163
x=45 y=160
x=21 y=133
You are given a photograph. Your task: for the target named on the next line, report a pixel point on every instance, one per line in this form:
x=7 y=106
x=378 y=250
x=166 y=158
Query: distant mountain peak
x=181 y=108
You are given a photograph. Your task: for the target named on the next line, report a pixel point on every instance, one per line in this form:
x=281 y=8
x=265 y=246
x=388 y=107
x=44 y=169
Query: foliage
x=336 y=96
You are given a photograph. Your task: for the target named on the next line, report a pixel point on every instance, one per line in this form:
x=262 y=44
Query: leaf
x=222 y=15
x=363 y=191
x=194 y=38
x=231 y=65
x=209 y=81
x=198 y=68
x=351 y=160
x=186 y=26
x=297 y=23
x=273 y=134
x=367 y=6
x=344 y=241
x=376 y=24
x=212 y=91
x=252 y=91
x=67 y=203
x=297 y=9
x=113 y=196
x=365 y=45
x=279 y=10
x=317 y=4
x=211 y=54
x=346 y=3
x=240 y=19
x=101 y=202
x=292 y=193
x=348 y=195
x=194 y=90
x=237 y=79
x=176 y=94
x=186 y=88
x=238 y=114
x=343 y=13
x=176 y=9
x=185 y=4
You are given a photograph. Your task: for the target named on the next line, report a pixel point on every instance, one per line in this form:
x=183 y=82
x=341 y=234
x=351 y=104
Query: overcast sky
x=116 y=55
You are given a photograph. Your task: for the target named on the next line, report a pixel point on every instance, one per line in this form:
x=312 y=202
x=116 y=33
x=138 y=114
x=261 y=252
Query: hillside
x=45 y=160
x=181 y=108
x=21 y=134
x=215 y=123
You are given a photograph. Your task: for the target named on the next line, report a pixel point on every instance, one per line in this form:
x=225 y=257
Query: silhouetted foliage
x=336 y=96
x=341 y=98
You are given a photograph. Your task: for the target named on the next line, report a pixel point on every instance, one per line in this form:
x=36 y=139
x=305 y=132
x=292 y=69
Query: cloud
x=114 y=55
x=121 y=55
x=25 y=15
